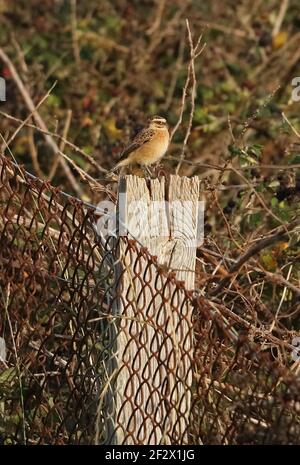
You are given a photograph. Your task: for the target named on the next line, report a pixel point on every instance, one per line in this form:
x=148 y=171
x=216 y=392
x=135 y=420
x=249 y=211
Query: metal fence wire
x=99 y=355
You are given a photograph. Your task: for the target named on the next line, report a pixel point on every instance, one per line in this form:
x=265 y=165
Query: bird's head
x=158 y=122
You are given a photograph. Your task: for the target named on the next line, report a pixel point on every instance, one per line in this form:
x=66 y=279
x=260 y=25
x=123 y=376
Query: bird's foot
x=147 y=172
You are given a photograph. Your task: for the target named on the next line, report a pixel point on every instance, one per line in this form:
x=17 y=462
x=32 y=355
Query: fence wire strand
x=83 y=328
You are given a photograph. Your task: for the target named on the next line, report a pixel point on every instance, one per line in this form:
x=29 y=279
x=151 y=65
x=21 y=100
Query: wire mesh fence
x=104 y=345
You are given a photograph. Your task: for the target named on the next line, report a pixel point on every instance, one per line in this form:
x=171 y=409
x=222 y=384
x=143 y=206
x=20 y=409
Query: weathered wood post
x=154 y=345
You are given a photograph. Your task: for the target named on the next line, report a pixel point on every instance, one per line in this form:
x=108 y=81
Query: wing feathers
x=142 y=137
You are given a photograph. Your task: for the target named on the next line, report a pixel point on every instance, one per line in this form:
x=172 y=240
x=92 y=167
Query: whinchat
x=148 y=147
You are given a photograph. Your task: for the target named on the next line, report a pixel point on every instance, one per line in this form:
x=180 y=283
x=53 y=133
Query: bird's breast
x=155 y=149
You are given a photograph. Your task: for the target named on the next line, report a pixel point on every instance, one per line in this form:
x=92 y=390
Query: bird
x=148 y=146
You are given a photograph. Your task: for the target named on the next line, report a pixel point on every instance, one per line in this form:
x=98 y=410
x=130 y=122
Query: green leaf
x=8 y=375
x=255 y=150
x=256 y=219
x=274 y=202
x=295 y=160
x=53 y=100
x=201 y=116
x=234 y=150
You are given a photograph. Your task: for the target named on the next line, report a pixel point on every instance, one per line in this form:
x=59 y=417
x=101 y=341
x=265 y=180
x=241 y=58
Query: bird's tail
x=115 y=168
x=112 y=171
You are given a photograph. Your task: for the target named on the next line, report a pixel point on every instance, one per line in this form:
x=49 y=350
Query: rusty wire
x=64 y=316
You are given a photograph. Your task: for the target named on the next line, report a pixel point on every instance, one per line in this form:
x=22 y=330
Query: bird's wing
x=141 y=138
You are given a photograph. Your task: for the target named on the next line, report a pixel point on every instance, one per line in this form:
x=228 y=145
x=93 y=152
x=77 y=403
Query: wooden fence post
x=154 y=346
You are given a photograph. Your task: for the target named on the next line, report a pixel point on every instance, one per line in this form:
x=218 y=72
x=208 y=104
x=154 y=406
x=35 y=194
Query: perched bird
x=148 y=147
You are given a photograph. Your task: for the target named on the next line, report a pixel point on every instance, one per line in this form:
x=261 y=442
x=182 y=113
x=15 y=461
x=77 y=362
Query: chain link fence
x=101 y=345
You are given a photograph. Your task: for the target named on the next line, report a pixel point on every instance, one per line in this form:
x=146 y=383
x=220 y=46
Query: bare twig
x=74 y=31
x=230 y=168
x=20 y=55
x=6 y=301
x=278 y=279
x=279 y=234
x=182 y=107
x=275 y=278
x=59 y=137
x=34 y=153
x=187 y=82
x=227 y=30
x=281 y=300
x=258 y=196
x=195 y=51
x=39 y=121
x=279 y=20
x=257 y=112
x=28 y=118
x=61 y=145
x=290 y=125
x=225 y=221
x=158 y=17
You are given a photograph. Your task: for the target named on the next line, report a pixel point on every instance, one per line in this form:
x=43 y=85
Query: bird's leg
x=145 y=168
x=159 y=169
